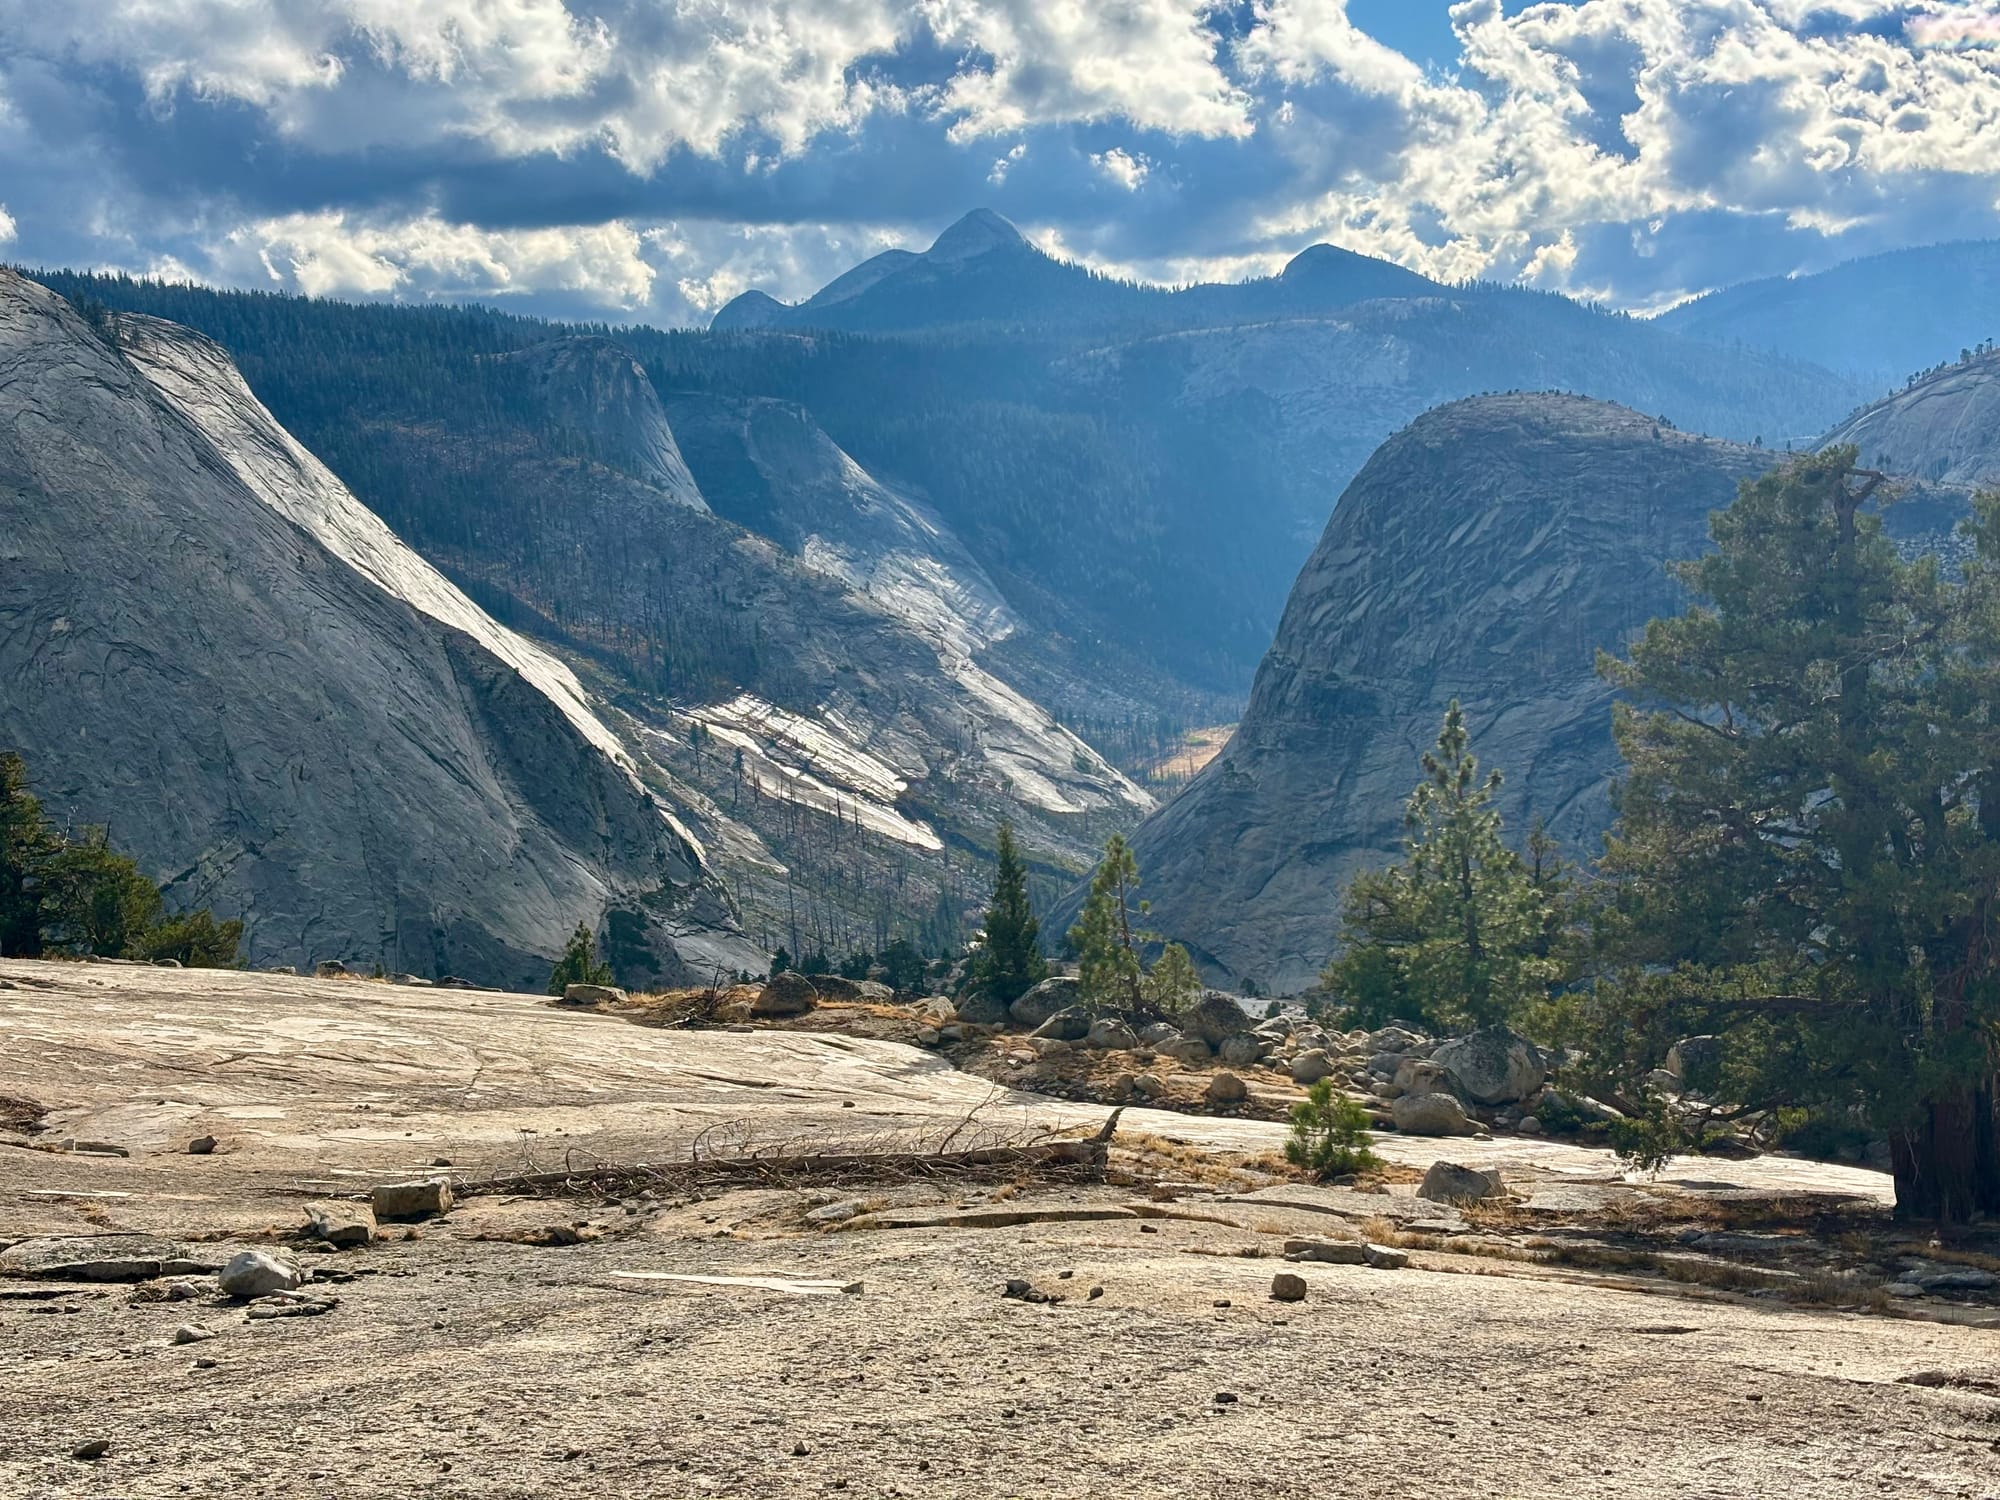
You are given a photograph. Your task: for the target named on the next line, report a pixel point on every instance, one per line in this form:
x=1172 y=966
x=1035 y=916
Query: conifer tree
x=1105 y=941
x=1807 y=858
x=1462 y=932
x=579 y=963
x=1172 y=985
x=1010 y=962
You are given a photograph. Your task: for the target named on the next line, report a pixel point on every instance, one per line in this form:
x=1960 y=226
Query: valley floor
x=461 y=1361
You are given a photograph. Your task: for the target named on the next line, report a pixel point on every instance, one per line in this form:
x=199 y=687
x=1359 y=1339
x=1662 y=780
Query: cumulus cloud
x=327 y=254
x=8 y=228
x=1122 y=167
x=652 y=160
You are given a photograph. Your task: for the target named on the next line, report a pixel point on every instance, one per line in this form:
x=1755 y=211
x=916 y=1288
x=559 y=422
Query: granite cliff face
x=1943 y=429
x=1485 y=553
x=209 y=645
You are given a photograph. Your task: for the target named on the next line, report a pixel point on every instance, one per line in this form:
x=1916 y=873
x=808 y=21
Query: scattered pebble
x=189 y=1333
x=91 y=1451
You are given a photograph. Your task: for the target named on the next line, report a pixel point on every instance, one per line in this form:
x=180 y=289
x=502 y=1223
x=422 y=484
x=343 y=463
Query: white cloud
x=329 y=254
x=1122 y=167
x=1002 y=164
x=8 y=228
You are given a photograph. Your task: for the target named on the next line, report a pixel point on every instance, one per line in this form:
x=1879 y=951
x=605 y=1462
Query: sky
x=651 y=159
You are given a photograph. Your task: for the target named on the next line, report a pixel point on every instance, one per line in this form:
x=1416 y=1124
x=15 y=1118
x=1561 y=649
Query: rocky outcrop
x=1486 y=553
x=208 y=645
x=1943 y=429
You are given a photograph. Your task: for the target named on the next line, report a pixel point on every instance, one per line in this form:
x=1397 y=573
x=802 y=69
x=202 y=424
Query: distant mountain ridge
x=982 y=270
x=1879 y=319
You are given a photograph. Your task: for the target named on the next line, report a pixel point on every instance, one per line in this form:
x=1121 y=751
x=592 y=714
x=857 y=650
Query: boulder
x=411 y=1200
x=1692 y=1058
x=332 y=968
x=1529 y=1125
x=1385 y=1257
x=1287 y=1286
x=1214 y=1018
x=1327 y=1252
x=1071 y=1025
x=785 y=994
x=1186 y=1049
x=1310 y=1067
x=1448 y=1182
x=1243 y=1050
x=202 y=1145
x=1227 y=1088
x=593 y=994
x=978 y=1007
x=255 y=1274
x=1430 y=1114
x=1419 y=1075
x=1056 y=993
x=1394 y=1038
x=834 y=987
x=341 y=1225
x=1386 y=1063
x=1108 y=1035
x=1148 y=1085
x=1159 y=1033
x=1050 y=1046
x=877 y=993
x=1493 y=1066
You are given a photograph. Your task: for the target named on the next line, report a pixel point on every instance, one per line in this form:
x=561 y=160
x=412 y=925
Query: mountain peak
x=980 y=232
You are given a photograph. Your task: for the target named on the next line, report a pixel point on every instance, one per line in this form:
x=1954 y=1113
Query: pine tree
x=579 y=963
x=1807 y=857
x=1009 y=962
x=1105 y=941
x=26 y=845
x=1172 y=985
x=1462 y=932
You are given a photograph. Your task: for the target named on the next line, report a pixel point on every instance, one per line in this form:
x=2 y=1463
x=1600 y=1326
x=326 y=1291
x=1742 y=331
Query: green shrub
x=579 y=963
x=1329 y=1134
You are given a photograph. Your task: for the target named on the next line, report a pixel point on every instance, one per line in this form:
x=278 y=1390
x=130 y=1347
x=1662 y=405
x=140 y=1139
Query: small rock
x=1018 y=1290
x=593 y=994
x=1385 y=1257
x=1093 y=1294
x=189 y=1333
x=341 y=1225
x=1448 y=1182
x=1159 y=1034
x=1148 y=1085
x=834 y=1213
x=411 y=1200
x=333 y=968
x=1221 y=1302
x=801 y=1449
x=929 y=1036
x=201 y=1145
x=1225 y=1398
x=1288 y=1287
x=91 y=1451
x=1529 y=1125
x=1227 y=1088
x=255 y=1274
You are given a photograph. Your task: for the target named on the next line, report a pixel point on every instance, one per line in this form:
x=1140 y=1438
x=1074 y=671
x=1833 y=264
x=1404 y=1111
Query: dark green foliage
x=856 y=965
x=1807 y=859
x=1009 y=961
x=1464 y=932
x=75 y=895
x=1105 y=941
x=1329 y=1134
x=816 y=963
x=781 y=960
x=1172 y=985
x=579 y=963
x=903 y=967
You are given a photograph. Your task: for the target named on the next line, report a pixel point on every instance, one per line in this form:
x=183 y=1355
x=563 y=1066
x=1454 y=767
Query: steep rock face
x=1944 y=429
x=592 y=389
x=1485 y=553
x=208 y=645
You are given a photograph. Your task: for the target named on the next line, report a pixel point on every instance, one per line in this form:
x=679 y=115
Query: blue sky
x=632 y=159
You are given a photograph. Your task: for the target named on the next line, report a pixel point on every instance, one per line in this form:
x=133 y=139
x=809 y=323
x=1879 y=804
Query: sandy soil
x=460 y=1364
